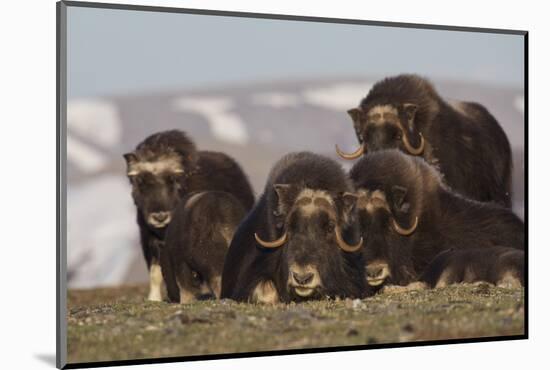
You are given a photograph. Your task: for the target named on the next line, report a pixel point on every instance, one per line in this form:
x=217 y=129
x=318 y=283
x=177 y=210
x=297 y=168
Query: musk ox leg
x=155 y=282
x=215 y=284
x=448 y=277
x=265 y=292
x=167 y=267
x=510 y=280
x=186 y=296
x=185 y=280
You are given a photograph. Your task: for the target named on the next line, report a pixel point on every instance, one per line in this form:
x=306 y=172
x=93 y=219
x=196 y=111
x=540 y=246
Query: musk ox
x=501 y=266
x=408 y=216
x=196 y=242
x=162 y=169
x=300 y=241
x=462 y=139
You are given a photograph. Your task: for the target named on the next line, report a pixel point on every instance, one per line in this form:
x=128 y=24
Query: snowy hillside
x=254 y=124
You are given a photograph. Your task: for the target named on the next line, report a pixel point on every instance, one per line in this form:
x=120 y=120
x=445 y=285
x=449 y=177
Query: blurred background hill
x=255 y=89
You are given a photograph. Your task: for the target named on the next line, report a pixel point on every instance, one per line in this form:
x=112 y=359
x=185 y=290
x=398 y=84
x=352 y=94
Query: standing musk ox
x=196 y=242
x=501 y=266
x=300 y=241
x=162 y=169
x=408 y=216
x=463 y=140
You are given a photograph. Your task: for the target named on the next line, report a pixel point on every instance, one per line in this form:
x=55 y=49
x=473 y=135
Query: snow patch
x=95 y=120
x=102 y=234
x=224 y=124
x=98 y=123
x=339 y=97
x=86 y=158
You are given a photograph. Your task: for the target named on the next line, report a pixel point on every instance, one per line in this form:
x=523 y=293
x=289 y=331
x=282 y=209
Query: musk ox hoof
x=154 y=296
x=265 y=293
x=509 y=281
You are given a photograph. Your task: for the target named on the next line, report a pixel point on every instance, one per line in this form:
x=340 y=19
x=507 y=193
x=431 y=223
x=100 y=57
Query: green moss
x=118 y=323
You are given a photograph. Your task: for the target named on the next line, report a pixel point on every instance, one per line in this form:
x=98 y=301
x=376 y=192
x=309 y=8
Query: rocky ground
x=118 y=323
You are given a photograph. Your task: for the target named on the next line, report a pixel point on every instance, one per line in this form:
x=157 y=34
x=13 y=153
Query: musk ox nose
x=377 y=273
x=302 y=279
x=160 y=216
x=159 y=219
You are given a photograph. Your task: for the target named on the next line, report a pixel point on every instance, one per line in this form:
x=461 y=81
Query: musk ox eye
x=398 y=136
x=330 y=227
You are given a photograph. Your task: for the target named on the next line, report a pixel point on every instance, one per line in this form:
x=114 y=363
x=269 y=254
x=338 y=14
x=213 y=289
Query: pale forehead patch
x=381 y=109
x=315 y=194
x=159 y=165
x=372 y=200
x=382 y=114
x=309 y=200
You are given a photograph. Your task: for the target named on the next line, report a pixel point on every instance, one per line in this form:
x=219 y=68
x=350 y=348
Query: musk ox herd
x=427 y=201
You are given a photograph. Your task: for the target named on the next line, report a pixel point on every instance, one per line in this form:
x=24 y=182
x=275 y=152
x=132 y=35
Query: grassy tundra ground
x=118 y=323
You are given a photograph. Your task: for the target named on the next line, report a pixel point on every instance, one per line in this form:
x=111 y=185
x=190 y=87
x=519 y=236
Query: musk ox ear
x=131 y=160
x=355 y=114
x=281 y=190
x=285 y=195
x=349 y=200
x=410 y=111
x=399 y=194
x=412 y=139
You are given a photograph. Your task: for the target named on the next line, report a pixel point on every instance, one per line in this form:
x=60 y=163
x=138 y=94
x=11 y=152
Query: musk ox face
x=156 y=185
x=311 y=224
x=388 y=245
x=387 y=126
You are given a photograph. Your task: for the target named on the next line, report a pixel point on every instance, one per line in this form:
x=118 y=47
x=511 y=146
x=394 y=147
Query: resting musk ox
x=196 y=242
x=162 y=169
x=463 y=140
x=497 y=265
x=300 y=241
x=408 y=216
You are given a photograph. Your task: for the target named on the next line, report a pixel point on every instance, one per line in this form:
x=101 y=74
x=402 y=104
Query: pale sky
x=114 y=52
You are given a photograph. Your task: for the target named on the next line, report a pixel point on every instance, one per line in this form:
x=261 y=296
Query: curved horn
x=345 y=246
x=274 y=244
x=359 y=152
x=410 y=148
x=402 y=231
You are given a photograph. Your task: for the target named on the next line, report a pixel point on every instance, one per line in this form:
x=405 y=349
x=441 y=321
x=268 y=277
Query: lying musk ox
x=196 y=242
x=463 y=140
x=300 y=241
x=497 y=265
x=408 y=216
x=162 y=169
